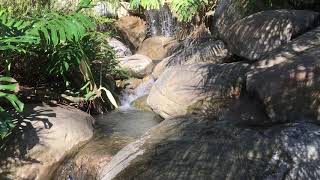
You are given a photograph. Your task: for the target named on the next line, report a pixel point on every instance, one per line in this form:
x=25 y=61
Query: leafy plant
x=60 y=40
x=184 y=9
x=8 y=86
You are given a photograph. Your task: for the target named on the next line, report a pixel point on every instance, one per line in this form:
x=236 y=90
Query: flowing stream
x=113 y=131
x=161 y=22
x=127 y=97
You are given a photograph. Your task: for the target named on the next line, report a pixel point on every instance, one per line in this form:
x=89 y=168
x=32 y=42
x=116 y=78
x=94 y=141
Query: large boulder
x=287 y=81
x=197 y=148
x=137 y=65
x=120 y=48
x=181 y=89
x=306 y=4
x=256 y=35
x=45 y=136
x=132 y=29
x=229 y=12
x=307 y=41
x=203 y=50
x=157 y=47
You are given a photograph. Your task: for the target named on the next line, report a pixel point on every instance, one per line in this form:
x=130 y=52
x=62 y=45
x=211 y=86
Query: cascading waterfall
x=161 y=22
x=127 y=97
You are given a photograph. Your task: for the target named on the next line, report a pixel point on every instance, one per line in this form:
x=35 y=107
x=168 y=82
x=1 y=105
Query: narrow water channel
x=113 y=131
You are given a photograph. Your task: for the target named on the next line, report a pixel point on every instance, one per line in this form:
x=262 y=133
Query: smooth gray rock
x=287 y=81
x=255 y=36
x=137 y=65
x=120 y=48
x=196 y=148
x=229 y=12
x=309 y=40
x=204 y=50
x=289 y=90
x=181 y=89
x=46 y=135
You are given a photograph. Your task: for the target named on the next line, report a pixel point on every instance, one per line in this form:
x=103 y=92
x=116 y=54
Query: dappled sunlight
x=25 y=137
x=203 y=50
x=291 y=92
x=190 y=148
x=208 y=89
x=297 y=46
x=256 y=35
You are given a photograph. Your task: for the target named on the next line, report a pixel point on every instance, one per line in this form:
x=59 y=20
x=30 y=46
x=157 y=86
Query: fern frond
x=147 y=4
x=186 y=9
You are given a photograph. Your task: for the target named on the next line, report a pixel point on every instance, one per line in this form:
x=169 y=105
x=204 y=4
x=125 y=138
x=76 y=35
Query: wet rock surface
x=141 y=103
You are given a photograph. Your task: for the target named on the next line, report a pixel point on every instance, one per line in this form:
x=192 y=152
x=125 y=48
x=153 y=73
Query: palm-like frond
x=184 y=9
x=58 y=37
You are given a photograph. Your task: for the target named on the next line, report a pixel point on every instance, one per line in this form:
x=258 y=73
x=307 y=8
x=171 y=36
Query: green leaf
x=9 y=87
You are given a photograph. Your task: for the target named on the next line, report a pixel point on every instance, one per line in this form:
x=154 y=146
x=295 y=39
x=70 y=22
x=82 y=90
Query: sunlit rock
x=180 y=88
x=120 y=48
x=229 y=12
x=132 y=29
x=287 y=81
x=255 y=36
x=203 y=50
x=45 y=137
x=197 y=148
x=157 y=48
x=137 y=65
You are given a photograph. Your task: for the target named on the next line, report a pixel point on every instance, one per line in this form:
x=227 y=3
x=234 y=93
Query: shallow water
x=113 y=131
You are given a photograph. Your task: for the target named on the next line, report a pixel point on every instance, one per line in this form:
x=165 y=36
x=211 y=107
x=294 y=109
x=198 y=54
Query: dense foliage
x=66 y=42
x=184 y=9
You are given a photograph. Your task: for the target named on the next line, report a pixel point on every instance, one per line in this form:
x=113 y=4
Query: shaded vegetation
x=58 y=50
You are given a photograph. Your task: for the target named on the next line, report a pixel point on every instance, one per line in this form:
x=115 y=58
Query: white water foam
x=128 y=97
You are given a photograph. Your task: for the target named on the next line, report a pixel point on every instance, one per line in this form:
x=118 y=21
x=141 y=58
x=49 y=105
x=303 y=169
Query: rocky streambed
x=112 y=133
x=240 y=102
